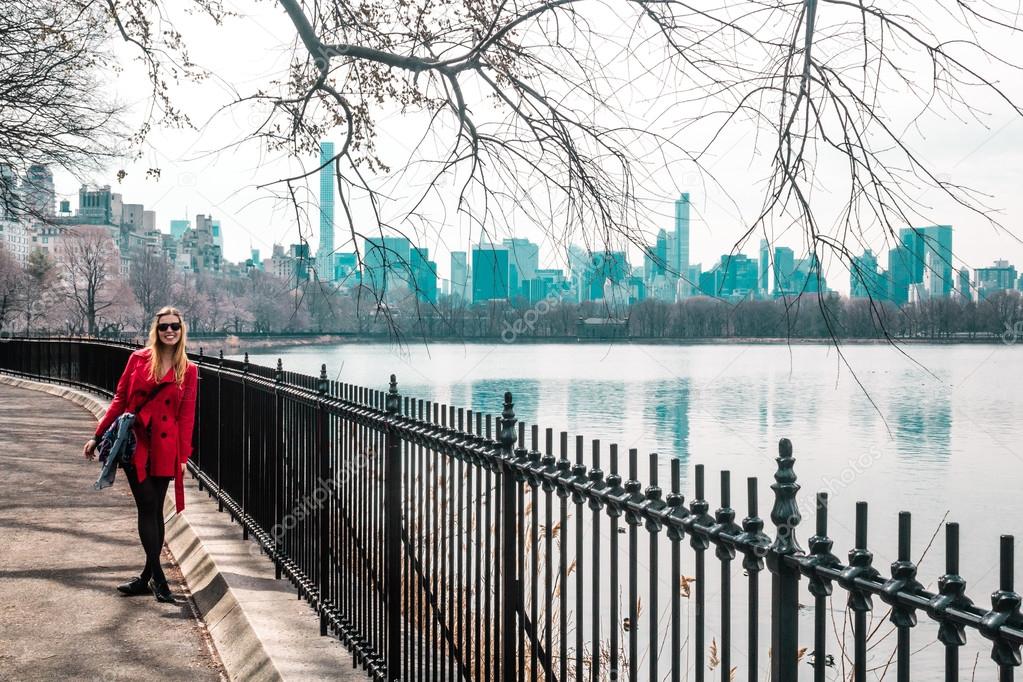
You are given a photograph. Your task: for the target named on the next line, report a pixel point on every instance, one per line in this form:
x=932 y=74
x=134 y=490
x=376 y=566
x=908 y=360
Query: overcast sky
x=201 y=172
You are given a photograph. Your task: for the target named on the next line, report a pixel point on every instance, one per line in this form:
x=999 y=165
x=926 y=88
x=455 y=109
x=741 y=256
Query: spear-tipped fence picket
x=441 y=544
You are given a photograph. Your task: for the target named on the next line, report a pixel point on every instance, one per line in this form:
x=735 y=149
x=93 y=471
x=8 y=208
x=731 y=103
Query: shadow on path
x=64 y=548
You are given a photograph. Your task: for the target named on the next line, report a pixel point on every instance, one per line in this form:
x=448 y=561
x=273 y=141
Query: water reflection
x=487 y=396
x=922 y=423
x=602 y=402
x=728 y=407
x=666 y=412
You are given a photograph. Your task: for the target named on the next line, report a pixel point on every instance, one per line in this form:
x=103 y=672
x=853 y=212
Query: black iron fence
x=439 y=543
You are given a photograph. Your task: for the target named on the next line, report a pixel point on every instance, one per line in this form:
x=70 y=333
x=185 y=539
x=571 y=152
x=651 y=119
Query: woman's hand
x=89 y=451
x=184 y=466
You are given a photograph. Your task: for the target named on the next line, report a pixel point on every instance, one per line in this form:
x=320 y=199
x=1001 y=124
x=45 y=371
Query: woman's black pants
x=149 y=496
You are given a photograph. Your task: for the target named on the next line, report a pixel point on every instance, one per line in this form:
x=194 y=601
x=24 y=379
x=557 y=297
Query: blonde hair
x=154 y=343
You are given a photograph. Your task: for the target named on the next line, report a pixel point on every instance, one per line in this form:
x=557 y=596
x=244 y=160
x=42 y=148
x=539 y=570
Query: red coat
x=163 y=429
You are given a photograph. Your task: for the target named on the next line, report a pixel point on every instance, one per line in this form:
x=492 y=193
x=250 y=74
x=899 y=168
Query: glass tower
x=680 y=262
x=930 y=258
x=324 y=259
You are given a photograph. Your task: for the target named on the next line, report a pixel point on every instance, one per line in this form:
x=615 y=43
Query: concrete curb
x=260 y=631
x=240 y=648
x=94 y=404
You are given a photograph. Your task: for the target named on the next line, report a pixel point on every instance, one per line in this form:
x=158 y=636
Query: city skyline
x=920 y=266
x=239 y=242
x=206 y=171
x=237 y=247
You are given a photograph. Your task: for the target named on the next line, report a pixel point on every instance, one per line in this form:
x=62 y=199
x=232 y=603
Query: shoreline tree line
x=85 y=292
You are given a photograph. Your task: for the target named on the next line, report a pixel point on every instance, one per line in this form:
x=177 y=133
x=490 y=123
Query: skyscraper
x=734 y=276
x=930 y=258
x=423 y=273
x=324 y=261
x=680 y=261
x=94 y=205
x=900 y=274
x=38 y=190
x=8 y=192
x=459 y=275
x=784 y=266
x=523 y=261
x=764 y=264
x=964 y=288
x=997 y=277
x=179 y=227
x=864 y=279
x=385 y=263
x=489 y=272
x=610 y=266
x=656 y=257
x=218 y=235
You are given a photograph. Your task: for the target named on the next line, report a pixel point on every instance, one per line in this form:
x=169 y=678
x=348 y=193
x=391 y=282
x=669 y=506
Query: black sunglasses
x=173 y=326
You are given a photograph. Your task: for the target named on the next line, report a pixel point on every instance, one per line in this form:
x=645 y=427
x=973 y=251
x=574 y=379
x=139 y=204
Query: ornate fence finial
x=951 y=592
x=674 y=501
x=221 y=355
x=279 y=371
x=820 y=552
x=903 y=578
x=507 y=435
x=724 y=520
x=393 y=402
x=245 y=364
x=1005 y=605
x=753 y=531
x=861 y=565
x=785 y=513
x=321 y=385
x=698 y=515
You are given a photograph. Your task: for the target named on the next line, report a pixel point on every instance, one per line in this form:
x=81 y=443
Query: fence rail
x=438 y=543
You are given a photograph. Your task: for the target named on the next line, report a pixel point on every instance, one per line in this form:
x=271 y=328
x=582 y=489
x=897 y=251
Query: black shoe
x=134 y=587
x=162 y=592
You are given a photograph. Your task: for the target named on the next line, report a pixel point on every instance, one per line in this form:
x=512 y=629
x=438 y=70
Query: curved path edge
x=260 y=630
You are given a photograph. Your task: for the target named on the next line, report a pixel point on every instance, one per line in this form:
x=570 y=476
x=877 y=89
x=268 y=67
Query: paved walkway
x=64 y=548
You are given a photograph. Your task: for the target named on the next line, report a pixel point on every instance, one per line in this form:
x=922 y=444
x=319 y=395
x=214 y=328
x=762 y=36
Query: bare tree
x=270 y=305
x=12 y=279
x=524 y=113
x=527 y=111
x=40 y=284
x=150 y=281
x=52 y=108
x=91 y=268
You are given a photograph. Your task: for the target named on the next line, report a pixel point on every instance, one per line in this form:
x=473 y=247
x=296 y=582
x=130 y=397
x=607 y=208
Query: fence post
x=323 y=584
x=278 y=467
x=784 y=576
x=392 y=532
x=509 y=552
x=245 y=449
x=197 y=439
x=220 y=431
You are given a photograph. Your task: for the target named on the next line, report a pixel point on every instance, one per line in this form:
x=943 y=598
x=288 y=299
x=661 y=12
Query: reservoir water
x=932 y=429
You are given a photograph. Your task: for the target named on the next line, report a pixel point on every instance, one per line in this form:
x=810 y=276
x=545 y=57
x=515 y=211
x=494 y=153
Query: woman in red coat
x=163 y=432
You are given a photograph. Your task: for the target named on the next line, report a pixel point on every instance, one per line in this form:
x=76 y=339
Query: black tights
x=149 y=496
